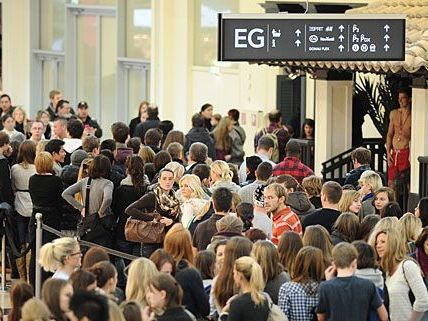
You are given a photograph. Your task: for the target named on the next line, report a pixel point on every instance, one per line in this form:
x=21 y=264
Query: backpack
x=274 y=137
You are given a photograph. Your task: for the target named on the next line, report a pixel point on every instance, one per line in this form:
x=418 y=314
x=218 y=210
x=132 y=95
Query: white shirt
x=242 y=174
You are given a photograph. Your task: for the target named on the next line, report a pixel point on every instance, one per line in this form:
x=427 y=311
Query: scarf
x=423 y=260
x=168 y=202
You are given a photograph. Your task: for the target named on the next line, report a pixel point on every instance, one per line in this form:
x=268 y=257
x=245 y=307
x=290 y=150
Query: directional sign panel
x=311 y=37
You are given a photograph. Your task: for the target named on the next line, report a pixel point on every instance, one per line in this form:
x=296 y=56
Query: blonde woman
x=221 y=176
x=251 y=304
x=62 y=256
x=195 y=204
x=403 y=275
x=350 y=202
x=21 y=120
x=384 y=223
x=35 y=310
x=141 y=271
x=369 y=182
x=411 y=228
x=178 y=170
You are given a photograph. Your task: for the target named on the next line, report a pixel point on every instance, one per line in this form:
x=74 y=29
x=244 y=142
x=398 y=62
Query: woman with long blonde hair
x=221 y=176
x=195 y=202
x=251 y=304
x=178 y=243
x=140 y=272
x=411 y=228
x=21 y=121
x=350 y=202
x=222 y=139
x=403 y=276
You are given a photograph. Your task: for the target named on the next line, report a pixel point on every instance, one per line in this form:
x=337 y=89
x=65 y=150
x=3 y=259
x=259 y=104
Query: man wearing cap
x=91 y=125
x=291 y=164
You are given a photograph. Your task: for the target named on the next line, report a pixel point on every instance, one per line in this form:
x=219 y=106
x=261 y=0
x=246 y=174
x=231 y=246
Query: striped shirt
x=285 y=220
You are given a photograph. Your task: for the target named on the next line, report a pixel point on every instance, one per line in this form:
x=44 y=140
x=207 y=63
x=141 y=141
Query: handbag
x=275 y=313
x=148 y=232
x=92 y=226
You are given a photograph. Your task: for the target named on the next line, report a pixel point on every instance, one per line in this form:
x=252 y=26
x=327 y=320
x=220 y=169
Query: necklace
x=402 y=123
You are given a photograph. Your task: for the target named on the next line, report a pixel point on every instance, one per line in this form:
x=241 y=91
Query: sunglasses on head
x=82 y=104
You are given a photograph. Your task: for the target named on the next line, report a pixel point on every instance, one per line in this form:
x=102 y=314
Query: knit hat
x=78 y=156
x=230 y=223
x=258 y=197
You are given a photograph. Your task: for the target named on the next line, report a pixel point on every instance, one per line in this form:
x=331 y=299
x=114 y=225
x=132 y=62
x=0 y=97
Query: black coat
x=6 y=194
x=142 y=128
x=133 y=124
x=201 y=135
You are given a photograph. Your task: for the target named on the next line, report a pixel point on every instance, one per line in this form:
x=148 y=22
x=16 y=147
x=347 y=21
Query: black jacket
x=133 y=124
x=194 y=297
x=353 y=176
x=201 y=135
x=142 y=128
x=93 y=123
x=69 y=175
x=6 y=194
x=123 y=197
x=174 y=314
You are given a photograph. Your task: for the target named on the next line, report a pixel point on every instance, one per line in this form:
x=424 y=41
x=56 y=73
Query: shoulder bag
x=148 y=232
x=275 y=313
x=92 y=226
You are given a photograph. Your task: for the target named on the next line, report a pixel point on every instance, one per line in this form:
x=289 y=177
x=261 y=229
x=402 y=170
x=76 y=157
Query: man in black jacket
x=152 y=121
x=91 y=126
x=361 y=158
x=199 y=133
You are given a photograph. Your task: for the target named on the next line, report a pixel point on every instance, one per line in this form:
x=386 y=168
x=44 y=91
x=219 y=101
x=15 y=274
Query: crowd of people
x=218 y=235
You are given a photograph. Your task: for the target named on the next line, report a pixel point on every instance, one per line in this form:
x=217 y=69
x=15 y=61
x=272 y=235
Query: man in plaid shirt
x=284 y=219
x=291 y=164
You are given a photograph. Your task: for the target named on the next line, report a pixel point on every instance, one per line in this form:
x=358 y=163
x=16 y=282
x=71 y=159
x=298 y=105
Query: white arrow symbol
x=386 y=38
x=386 y=47
x=341 y=28
x=298 y=32
x=386 y=28
x=341 y=47
x=341 y=37
x=298 y=42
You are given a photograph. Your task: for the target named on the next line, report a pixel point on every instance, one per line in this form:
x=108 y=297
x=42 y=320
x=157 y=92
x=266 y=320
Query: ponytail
x=253 y=273
x=53 y=254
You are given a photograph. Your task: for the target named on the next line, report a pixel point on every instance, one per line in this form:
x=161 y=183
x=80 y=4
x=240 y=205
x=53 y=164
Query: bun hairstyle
x=221 y=168
x=53 y=254
x=103 y=271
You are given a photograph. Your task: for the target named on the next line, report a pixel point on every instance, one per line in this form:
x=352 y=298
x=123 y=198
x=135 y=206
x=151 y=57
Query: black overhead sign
x=244 y=37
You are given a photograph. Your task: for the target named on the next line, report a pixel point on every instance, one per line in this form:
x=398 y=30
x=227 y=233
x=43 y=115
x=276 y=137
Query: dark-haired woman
x=421 y=253
x=106 y=275
x=421 y=211
x=132 y=188
x=20 y=293
x=20 y=176
x=142 y=116
x=161 y=205
x=207 y=113
x=308 y=129
x=100 y=196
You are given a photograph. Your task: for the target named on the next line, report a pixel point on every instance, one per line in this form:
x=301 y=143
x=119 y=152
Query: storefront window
x=138 y=29
x=52 y=17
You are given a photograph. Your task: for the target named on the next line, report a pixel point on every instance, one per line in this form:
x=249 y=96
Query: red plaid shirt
x=294 y=167
x=285 y=220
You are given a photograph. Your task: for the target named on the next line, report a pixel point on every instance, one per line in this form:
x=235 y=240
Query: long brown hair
x=51 y=291
x=135 y=169
x=221 y=134
x=20 y=293
x=348 y=225
x=224 y=289
x=265 y=253
x=178 y=243
x=26 y=153
x=289 y=245
x=174 y=292
x=173 y=136
x=317 y=236
x=308 y=266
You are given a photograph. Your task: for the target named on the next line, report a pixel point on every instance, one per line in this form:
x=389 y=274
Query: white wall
x=16 y=51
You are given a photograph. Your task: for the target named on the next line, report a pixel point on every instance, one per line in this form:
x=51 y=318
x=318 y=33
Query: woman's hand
x=227 y=157
x=166 y=221
x=82 y=212
x=147 y=315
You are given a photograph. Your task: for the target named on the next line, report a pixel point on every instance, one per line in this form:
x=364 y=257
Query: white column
x=16 y=51
x=333 y=119
x=419 y=134
x=172 y=58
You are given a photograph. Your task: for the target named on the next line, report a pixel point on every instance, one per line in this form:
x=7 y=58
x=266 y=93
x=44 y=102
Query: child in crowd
x=347 y=297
